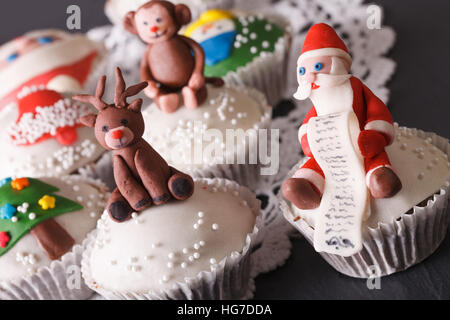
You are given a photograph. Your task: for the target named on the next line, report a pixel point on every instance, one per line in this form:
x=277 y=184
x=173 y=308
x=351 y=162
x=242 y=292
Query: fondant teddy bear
x=172 y=63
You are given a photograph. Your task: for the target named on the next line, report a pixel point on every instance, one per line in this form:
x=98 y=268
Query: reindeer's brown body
x=142 y=176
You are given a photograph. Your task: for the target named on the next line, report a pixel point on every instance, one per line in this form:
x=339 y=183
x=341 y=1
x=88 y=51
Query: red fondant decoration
x=4 y=239
x=117 y=134
x=322 y=36
x=67 y=135
x=45 y=98
x=41 y=98
x=371 y=143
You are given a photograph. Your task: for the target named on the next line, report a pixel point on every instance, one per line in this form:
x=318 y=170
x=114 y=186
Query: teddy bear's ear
x=182 y=14
x=89 y=120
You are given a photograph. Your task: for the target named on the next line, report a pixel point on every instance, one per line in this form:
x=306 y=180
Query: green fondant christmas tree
x=29 y=205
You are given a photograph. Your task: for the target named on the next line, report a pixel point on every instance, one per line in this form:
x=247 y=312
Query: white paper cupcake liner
x=395 y=246
x=230 y=280
x=50 y=283
x=268 y=72
x=61 y=280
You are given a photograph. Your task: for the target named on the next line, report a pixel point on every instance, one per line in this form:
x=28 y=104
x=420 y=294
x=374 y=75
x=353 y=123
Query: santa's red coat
x=377 y=130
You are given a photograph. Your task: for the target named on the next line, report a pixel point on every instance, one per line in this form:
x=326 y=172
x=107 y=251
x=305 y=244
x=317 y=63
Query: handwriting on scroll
x=340 y=215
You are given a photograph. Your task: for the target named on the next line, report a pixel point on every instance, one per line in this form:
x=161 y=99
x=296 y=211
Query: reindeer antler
x=96 y=100
x=121 y=94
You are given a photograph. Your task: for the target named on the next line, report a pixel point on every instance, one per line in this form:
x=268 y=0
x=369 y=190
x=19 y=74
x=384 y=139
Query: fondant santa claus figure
x=323 y=76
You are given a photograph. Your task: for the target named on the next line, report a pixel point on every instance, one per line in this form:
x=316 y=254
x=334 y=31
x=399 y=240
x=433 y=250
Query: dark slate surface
x=419 y=98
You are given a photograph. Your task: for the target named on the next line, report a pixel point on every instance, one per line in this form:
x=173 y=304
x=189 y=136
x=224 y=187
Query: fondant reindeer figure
x=142 y=176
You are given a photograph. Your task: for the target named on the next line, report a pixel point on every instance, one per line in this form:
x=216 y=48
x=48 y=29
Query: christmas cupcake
x=42 y=225
x=371 y=198
x=42 y=135
x=244 y=49
x=117 y=9
x=220 y=138
x=195 y=249
x=54 y=59
x=143 y=248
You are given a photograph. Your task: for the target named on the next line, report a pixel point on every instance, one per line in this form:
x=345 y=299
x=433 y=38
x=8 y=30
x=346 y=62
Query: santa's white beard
x=303 y=91
x=323 y=81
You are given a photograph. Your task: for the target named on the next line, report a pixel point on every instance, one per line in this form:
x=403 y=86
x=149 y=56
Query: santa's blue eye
x=302 y=71
x=318 y=66
x=45 y=40
x=12 y=57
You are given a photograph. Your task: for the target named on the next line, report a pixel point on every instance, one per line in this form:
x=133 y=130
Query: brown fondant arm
x=146 y=73
x=199 y=55
x=128 y=186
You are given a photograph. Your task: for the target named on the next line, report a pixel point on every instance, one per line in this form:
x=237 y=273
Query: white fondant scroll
x=345 y=201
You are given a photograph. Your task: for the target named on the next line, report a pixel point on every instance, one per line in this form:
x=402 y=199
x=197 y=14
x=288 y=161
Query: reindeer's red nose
x=117 y=134
x=154 y=29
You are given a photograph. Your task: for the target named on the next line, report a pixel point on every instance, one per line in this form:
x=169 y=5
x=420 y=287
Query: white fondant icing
x=175 y=136
x=176 y=257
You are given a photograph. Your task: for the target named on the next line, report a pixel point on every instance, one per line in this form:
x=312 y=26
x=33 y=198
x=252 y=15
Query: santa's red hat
x=322 y=40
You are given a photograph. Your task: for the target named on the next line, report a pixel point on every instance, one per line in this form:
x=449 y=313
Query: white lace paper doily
x=368 y=49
